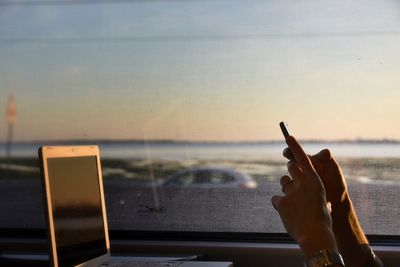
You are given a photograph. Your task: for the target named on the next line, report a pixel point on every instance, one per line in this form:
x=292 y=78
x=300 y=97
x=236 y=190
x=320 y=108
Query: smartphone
x=284 y=129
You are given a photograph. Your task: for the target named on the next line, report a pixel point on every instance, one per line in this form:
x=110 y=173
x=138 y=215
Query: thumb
x=322 y=156
x=275 y=201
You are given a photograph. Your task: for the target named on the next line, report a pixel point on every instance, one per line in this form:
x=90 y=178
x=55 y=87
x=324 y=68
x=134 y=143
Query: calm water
x=228 y=151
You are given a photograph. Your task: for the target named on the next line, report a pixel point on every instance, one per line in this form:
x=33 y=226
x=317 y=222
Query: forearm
x=351 y=240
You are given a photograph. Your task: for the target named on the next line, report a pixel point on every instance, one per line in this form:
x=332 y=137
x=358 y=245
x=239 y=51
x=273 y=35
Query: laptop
x=76 y=212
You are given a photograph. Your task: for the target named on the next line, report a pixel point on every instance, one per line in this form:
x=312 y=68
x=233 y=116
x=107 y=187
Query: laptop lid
x=75 y=207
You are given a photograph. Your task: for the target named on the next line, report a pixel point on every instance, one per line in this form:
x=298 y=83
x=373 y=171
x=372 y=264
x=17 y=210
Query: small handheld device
x=284 y=129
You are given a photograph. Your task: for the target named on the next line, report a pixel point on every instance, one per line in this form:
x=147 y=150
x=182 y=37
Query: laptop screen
x=77 y=210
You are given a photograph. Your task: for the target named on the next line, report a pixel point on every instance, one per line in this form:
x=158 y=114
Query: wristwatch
x=325 y=258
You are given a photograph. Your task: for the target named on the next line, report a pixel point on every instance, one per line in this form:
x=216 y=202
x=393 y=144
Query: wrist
x=325 y=258
x=322 y=239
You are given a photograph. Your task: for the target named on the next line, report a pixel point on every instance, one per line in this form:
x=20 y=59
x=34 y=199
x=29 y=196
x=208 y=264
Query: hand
x=303 y=208
x=349 y=236
x=330 y=173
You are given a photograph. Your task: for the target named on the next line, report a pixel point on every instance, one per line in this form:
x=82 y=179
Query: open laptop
x=76 y=212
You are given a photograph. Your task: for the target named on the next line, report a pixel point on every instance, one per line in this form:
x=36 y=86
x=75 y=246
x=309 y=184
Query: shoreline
x=101 y=141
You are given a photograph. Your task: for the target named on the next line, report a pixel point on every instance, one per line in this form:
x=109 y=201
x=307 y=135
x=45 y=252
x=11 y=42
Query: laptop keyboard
x=142 y=264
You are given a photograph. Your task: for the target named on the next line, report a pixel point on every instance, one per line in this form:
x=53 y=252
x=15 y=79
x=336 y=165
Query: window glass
x=185 y=178
x=219 y=177
x=184 y=99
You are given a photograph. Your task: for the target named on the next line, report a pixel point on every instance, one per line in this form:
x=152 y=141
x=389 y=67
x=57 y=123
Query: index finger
x=301 y=157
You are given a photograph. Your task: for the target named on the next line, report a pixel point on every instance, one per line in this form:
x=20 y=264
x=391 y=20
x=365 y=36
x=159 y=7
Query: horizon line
x=173 y=141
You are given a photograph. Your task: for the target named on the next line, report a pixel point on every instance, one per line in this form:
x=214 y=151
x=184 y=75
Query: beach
x=133 y=204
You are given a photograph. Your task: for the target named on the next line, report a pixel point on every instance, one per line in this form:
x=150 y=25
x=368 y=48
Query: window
x=185 y=178
x=184 y=99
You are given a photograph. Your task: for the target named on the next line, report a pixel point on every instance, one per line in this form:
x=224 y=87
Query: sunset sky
x=201 y=70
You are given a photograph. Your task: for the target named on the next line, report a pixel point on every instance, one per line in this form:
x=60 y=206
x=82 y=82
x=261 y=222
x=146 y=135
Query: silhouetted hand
x=303 y=207
x=330 y=173
x=350 y=238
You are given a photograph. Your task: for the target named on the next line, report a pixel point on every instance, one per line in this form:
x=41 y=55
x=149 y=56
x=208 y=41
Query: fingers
x=294 y=170
x=288 y=154
x=275 y=201
x=322 y=156
x=300 y=156
x=286 y=182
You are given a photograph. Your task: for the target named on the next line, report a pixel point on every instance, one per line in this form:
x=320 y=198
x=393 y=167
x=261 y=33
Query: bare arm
x=350 y=237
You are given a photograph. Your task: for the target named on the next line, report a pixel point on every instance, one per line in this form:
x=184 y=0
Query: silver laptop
x=76 y=213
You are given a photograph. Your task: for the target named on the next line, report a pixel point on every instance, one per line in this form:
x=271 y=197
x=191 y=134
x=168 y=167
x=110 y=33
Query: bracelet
x=325 y=258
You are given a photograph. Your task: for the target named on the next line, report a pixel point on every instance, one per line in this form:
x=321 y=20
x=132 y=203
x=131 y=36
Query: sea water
x=223 y=151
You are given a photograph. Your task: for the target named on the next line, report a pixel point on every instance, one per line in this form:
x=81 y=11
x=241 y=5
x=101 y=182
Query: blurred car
x=206 y=177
